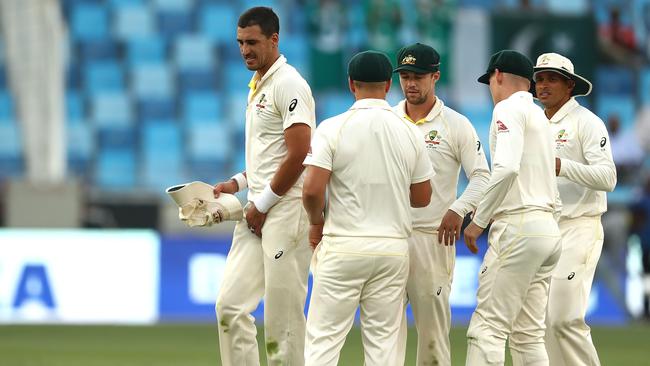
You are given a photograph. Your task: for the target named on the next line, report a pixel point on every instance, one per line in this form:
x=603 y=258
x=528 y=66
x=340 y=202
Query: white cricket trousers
x=431 y=271
x=568 y=337
x=352 y=272
x=513 y=291
x=275 y=267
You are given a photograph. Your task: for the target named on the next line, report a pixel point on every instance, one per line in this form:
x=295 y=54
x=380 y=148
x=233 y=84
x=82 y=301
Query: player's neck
x=552 y=109
x=417 y=112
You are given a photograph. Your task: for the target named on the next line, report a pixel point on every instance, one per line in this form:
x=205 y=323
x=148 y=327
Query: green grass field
x=197 y=345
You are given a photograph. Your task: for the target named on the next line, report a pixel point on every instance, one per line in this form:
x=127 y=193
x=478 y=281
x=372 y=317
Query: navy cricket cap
x=370 y=66
x=511 y=62
x=418 y=58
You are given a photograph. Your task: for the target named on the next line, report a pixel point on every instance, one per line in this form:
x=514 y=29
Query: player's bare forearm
x=313 y=193
x=472 y=232
x=297 y=138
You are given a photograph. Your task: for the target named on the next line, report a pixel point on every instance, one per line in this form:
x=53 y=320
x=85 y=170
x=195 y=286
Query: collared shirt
x=451 y=142
x=275 y=102
x=587 y=168
x=374 y=156
x=523 y=162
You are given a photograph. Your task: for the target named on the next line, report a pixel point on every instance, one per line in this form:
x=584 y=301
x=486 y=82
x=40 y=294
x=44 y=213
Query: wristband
x=242 y=182
x=266 y=199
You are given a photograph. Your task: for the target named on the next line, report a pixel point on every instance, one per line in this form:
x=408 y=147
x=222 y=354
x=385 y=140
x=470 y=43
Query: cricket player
x=585 y=170
x=451 y=142
x=270 y=252
x=373 y=164
x=524 y=237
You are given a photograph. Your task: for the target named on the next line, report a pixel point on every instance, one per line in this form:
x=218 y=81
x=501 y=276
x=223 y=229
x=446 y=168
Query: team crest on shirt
x=501 y=127
x=432 y=139
x=260 y=105
x=561 y=138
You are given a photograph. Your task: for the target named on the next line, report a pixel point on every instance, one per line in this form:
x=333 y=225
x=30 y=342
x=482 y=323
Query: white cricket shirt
x=587 y=169
x=275 y=102
x=374 y=156
x=523 y=161
x=451 y=141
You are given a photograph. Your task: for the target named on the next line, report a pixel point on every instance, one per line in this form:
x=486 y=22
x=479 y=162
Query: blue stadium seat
x=96 y=50
x=198 y=80
x=213 y=22
x=153 y=81
x=73 y=75
x=644 y=86
x=294 y=48
x=115 y=169
x=202 y=107
x=173 y=24
x=6 y=106
x=3 y=73
x=81 y=148
x=117 y=137
x=89 y=22
x=157 y=109
x=622 y=106
x=614 y=80
x=74 y=106
x=163 y=139
x=11 y=162
x=209 y=142
x=331 y=104
x=132 y=22
x=193 y=52
x=111 y=110
x=146 y=50
x=123 y=3
x=162 y=155
x=103 y=76
x=236 y=76
x=173 y=5
x=236 y=107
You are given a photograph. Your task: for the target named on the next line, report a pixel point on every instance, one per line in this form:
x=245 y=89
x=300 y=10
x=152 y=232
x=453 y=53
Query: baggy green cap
x=418 y=58
x=370 y=66
x=511 y=62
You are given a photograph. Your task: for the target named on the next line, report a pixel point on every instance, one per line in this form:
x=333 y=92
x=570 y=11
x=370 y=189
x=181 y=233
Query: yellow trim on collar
x=253 y=83
x=418 y=122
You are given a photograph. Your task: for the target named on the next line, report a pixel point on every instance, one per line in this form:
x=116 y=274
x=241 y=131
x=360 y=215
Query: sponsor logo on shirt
x=501 y=127
x=260 y=104
x=432 y=139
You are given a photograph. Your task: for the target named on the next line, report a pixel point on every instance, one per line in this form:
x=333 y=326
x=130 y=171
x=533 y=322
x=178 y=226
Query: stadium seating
x=139 y=70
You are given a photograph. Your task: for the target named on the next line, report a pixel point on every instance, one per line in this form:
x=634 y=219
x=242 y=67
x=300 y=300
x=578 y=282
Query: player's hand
x=225 y=187
x=449 y=230
x=558 y=166
x=472 y=232
x=255 y=219
x=315 y=235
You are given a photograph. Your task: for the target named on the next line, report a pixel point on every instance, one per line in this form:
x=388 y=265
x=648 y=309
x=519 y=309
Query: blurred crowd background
x=105 y=103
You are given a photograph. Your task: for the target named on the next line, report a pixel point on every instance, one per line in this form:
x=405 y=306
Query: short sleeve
x=295 y=101
x=320 y=152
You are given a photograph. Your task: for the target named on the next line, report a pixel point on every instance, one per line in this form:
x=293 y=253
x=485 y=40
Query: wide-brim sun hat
x=557 y=63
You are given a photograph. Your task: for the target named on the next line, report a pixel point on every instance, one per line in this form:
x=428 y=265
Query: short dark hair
x=263 y=16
